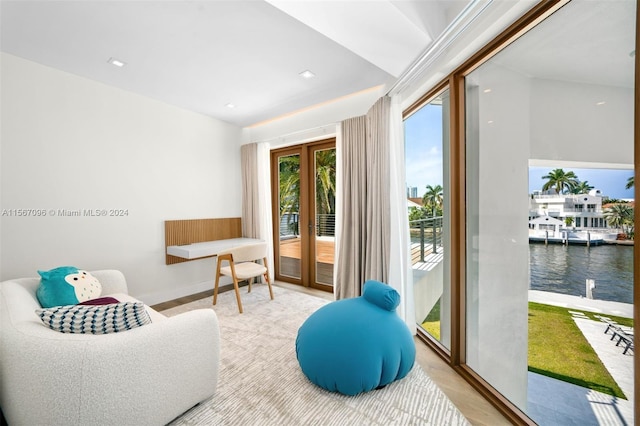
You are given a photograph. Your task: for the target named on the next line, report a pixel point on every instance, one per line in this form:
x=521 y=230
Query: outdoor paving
x=554 y=402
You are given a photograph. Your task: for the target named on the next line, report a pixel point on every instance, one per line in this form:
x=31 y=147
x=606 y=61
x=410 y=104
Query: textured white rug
x=260 y=381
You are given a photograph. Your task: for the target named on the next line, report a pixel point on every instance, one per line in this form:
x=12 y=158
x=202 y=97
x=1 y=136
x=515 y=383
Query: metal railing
x=427 y=233
x=325 y=225
x=289 y=224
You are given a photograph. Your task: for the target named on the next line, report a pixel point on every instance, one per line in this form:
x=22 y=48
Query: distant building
x=584 y=209
x=412 y=192
x=414 y=202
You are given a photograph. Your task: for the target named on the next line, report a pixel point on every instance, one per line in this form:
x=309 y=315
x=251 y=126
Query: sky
x=423 y=146
x=611 y=183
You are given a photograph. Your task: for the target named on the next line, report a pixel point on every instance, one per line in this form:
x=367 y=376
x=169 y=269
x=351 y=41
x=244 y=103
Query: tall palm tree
x=433 y=198
x=631 y=182
x=560 y=180
x=325 y=163
x=326 y=181
x=581 y=188
x=289 y=186
x=289 y=169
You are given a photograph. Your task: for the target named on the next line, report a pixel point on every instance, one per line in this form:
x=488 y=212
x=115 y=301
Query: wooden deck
x=290 y=259
x=325 y=249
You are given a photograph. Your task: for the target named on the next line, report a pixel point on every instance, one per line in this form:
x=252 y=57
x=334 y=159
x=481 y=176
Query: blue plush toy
x=66 y=285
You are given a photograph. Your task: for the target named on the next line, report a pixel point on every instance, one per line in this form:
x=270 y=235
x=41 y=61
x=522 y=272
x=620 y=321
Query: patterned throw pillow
x=101 y=319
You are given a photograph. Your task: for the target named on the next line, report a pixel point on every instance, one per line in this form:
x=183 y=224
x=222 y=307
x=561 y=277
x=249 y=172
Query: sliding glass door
x=549 y=141
x=426 y=132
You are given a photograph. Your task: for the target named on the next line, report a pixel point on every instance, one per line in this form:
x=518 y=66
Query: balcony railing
x=426 y=238
x=426 y=234
x=325 y=225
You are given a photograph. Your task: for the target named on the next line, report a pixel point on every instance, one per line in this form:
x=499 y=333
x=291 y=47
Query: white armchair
x=148 y=375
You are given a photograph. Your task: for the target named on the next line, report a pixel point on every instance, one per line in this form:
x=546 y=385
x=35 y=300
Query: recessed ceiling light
x=487 y=90
x=230 y=106
x=600 y=103
x=307 y=74
x=116 y=62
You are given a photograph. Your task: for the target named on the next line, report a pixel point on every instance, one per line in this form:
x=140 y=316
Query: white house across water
x=568 y=218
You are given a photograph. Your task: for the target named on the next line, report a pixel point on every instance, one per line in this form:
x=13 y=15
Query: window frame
x=455 y=82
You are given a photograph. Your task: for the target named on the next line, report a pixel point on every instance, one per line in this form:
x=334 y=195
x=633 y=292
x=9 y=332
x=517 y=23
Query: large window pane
x=561 y=98
x=427 y=147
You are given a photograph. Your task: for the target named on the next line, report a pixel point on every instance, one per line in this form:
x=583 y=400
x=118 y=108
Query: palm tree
x=630 y=182
x=560 y=180
x=433 y=198
x=290 y=189
x=289 y=169
x=620 y=216
x=581 y=188
x=325 y=161
x=326 y=181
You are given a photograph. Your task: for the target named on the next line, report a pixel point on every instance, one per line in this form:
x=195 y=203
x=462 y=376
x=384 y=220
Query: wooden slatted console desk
x=208 y=248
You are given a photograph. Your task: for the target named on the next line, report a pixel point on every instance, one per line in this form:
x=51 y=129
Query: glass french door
x=304 y=188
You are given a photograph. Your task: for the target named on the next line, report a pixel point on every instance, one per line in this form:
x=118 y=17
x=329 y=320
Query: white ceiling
x=203 y=55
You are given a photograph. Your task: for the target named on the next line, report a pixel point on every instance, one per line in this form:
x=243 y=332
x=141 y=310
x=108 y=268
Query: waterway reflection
x=565 y=268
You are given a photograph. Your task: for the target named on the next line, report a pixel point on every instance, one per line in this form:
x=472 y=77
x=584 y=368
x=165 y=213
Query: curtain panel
x=373 y=235
x=363 y=243
x=256 y=195
x=352 y=168
x=250 y=191
x=376 y=262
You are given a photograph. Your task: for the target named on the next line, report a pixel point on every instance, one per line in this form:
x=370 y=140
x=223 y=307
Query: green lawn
x=557 y=347
x=431 y=323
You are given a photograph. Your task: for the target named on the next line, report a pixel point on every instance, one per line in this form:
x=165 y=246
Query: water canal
x=565 y=268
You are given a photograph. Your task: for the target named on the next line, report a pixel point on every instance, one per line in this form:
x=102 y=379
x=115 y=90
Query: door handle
x=310 y=228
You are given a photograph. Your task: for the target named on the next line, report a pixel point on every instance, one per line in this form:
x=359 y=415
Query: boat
x=549 y=230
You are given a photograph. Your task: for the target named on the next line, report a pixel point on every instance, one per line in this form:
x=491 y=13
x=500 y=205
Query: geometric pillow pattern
x=101 y=319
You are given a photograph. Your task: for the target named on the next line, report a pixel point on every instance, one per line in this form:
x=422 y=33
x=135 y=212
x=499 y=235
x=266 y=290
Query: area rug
x=260 y=381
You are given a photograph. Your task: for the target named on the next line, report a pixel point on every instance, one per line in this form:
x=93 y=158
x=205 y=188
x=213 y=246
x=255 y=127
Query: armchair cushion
x=96 y=319
x=127 y=378
x=66 y=285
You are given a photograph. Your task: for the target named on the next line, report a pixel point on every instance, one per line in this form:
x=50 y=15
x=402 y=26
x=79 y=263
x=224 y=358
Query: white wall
x=71 y=143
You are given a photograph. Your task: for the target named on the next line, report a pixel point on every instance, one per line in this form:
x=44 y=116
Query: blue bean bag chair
x=356 y=345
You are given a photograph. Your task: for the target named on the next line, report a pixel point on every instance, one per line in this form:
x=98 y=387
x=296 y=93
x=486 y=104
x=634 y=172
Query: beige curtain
x=363 y=243
x=250 y=191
